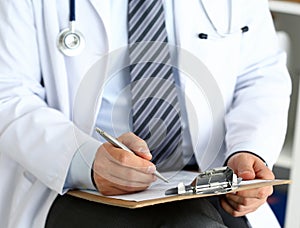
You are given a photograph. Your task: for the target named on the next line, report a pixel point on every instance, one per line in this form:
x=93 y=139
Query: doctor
x=51 y=101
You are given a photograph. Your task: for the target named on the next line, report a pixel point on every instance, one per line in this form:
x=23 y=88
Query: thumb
x=243 y=165
x=245 y=170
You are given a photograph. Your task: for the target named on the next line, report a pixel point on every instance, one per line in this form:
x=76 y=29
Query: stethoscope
x=219 y=33
x=70 y=41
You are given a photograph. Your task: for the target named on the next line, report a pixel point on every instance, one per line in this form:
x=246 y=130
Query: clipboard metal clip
x=214 y=181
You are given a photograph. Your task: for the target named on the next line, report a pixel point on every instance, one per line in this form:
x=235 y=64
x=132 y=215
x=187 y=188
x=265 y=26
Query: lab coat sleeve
x=257 y=119
x=41 y=139
x=79 y=175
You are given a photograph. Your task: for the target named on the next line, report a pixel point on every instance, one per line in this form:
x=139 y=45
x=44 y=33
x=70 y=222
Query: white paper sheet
x=158 y=188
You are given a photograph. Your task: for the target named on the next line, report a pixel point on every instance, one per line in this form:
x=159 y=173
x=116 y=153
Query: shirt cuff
x=79 y=175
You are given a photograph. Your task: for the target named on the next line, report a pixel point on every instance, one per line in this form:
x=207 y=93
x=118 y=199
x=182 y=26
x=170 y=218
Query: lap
x=69 y=211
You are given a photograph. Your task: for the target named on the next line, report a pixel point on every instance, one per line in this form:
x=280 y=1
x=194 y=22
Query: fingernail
x=144 y=150
x=151 y=169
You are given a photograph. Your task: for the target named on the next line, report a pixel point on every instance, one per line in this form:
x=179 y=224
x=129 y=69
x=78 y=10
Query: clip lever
x=217 y=181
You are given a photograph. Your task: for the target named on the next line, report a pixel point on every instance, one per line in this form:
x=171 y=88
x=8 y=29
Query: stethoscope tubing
x=222 y=34
x=72 y=16
x=72 y=51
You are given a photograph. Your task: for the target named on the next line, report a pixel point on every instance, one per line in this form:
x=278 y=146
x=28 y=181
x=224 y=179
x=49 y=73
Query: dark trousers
x=68 y=211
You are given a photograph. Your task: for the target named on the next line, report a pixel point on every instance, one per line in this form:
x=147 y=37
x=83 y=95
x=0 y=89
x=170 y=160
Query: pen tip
x=161 y=176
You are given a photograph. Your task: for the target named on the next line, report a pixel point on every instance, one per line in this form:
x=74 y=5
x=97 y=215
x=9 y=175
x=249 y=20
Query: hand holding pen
x=118 y=144
x=117 y=171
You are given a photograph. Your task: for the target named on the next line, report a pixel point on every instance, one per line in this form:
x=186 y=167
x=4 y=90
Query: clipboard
x=222 y=176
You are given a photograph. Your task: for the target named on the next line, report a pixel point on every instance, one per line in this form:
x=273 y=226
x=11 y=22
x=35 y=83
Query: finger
x=241 y=202
x=235 y=211
x=257 y=193
x=239 y=205
x=249 y=166
x=110 y=172
x=136 y=144
x=244 y=201
x=126 y=159
x=122 y=175
x=263 y=172
x=109 y=184
x=246 y=205
x=108 y=188
x=244 y=169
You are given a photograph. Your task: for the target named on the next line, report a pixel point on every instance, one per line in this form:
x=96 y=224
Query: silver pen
x=118 y=144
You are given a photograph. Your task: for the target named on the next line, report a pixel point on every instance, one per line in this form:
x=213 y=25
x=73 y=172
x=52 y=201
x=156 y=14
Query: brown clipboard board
x=166 y=199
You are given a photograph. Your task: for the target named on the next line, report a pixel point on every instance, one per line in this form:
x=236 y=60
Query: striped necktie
x=155 y=105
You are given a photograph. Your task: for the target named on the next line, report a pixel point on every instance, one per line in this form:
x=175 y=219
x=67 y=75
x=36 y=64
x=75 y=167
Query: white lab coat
x=38 y=139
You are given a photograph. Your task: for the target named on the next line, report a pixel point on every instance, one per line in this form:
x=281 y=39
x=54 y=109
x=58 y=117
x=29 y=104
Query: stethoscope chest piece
x=70 y=42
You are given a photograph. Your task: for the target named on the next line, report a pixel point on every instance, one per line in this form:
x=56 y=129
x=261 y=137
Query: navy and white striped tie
x=155 y=105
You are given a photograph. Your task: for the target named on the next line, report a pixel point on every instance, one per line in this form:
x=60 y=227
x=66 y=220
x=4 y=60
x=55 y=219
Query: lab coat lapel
x=219 y=16
x=87 y=101
x=56 y=72
x=102 y=7
x=190 y=55
x=184 y=29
